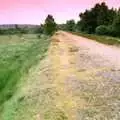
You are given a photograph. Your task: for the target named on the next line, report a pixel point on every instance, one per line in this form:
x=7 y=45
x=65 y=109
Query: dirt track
x=87 y=76
x=80 y=80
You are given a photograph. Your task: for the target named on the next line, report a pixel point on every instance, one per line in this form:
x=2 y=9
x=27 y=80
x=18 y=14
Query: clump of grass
x=55 y=114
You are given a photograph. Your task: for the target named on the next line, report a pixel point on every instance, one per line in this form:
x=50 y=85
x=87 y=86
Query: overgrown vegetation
x=100 y=20
x=102 y=39
x=17 y=56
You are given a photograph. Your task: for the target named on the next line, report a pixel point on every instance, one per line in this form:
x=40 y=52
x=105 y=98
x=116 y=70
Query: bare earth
x=78 y=80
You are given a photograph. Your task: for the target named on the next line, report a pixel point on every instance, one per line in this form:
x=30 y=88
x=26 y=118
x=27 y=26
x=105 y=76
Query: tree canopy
x=50 y=26
x=100 y=14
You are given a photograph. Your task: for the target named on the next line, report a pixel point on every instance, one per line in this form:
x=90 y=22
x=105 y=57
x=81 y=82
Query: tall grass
x=16 y=57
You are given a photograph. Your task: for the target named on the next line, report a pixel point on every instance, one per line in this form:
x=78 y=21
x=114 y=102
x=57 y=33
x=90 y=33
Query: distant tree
x=61 y=26
x=70 y=25
x=50 y=26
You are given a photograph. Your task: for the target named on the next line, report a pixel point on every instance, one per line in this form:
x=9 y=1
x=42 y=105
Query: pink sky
x=35 y=11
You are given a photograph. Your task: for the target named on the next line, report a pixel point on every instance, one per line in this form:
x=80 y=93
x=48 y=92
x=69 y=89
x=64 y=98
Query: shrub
x=102 y=30
x=50 y=26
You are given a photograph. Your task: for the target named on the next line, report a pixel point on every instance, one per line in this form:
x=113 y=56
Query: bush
x=102 y=30
x=111 y=31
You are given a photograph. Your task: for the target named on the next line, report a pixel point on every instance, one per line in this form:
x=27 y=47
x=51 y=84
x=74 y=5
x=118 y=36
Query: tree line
x=100 y=20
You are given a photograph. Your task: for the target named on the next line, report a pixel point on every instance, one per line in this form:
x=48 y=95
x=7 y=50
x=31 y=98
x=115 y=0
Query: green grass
x=99 y=38
x=34 y=96
x=17 y=56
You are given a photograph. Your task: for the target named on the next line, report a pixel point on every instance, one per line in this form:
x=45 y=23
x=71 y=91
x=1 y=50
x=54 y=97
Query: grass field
x=99 y=38
x=17 y=56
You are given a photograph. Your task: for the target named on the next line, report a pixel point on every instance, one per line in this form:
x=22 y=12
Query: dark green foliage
x=102 y=30
x=116 y=25
x=50 y=26
x=100 y=14
x=105 y=15
x=88 y=21
x=70 y=25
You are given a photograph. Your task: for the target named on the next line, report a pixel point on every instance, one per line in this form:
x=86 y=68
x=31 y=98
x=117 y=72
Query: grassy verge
x=17 y=56
x=102 y=39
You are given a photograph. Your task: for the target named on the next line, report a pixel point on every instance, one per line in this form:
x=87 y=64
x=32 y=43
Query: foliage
x=50 y=26
x=70 y=25
x=100 y=14
x=40 y=29
x=116 y=25
x=102 y=30
x=62 y=27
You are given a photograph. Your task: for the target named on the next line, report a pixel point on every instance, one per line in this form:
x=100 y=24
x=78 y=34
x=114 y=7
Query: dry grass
x=102 y=39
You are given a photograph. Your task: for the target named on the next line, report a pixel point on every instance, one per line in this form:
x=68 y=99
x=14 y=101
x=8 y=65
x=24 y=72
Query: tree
x=100 y=14
x=70 y=25
x=105 y=15
x=50 y=26
x=116 y=25
x=88 y=21
x=102 y=30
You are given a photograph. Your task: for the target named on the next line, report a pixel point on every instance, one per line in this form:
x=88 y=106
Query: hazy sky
x=35 y=11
